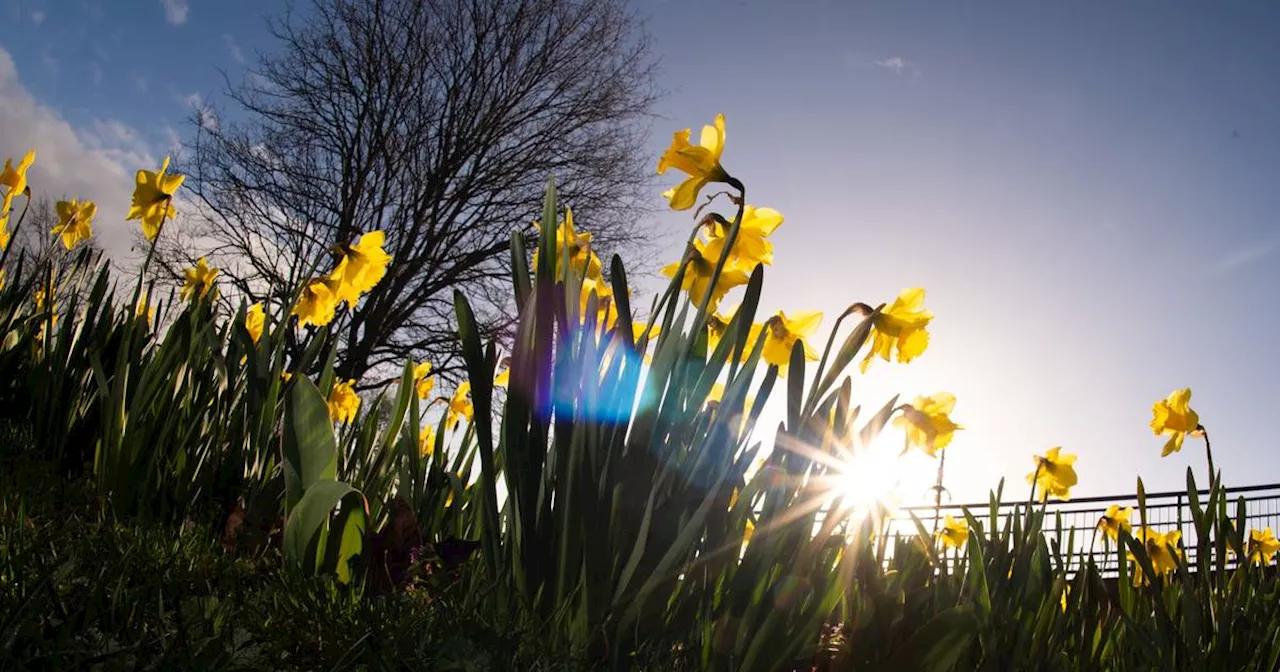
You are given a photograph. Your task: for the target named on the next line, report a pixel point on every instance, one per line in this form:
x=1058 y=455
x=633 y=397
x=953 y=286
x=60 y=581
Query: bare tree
x=436 y=121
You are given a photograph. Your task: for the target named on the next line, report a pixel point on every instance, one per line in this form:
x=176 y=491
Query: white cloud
x=233 y=48
x=897 y=64
x=175 y=11
x=37 y=17
x=97 y=163
x=193 y=100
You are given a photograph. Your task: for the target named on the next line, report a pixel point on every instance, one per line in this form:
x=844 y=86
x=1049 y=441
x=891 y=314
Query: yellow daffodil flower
x=343 y=402
x=503 y=378
x=15 y=178
x=752 y=246
x=902 y=326
x=927 y=422
x=427 y=441
x=1114 y=520
x=717 y=323
x=1173 y=416
x=424 y=383
x=700 y=162
x=1263 y=546
x=317 y=304
x=460 y=405
x=606 y=312
x=747 y=532
x=74 y=218
x=1066 y=590
x=4 y=231
x=581 y=258
x=199 y=280
x=781 y=334
x=1054 y=474
x=144 y=309
x=255 y=319
x=286 y=376
x=2 y=278
x=1157 y=545
x=697 y=276
x=954 y=533
x=153 y=199
x=638 y=333
x=363 y=265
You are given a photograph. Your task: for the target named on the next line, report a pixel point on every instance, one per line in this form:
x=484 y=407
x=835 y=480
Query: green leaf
x=307 y=518
x=939 y=644
x=310 y=451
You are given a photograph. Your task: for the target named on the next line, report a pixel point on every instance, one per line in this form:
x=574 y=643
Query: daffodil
x=363 y=265
x=317 y=304
x=153 y=199
x=717 y=323
x=927 y=422
x=15 y=178
x=343 y=401
x=255 y=319
x=503 y=378
x=1114 y=520
x=427 y=441
x=4 y=230
x=199 y=280
x=581 y=258
x=144 y=309
x=700 y=162
x=901 y=326
x=74 y=218
x=954 y=533
x=1054 y=474
x=460 y=405
x=747 y=532
x=639 y=334
x=1263 y=546
x=752 y=246
x=424 y=383
x=697 y=276
x=2 y=278
x=1175 y=418
x=781 y=333
x=606 y=313
x=1162 y=550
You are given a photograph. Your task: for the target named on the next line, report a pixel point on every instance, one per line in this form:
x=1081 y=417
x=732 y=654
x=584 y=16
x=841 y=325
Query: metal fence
x=1071 y=527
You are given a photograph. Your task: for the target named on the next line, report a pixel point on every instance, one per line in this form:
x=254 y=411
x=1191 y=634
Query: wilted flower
x=902 y=326
x=153 y=199
x=1263 y=546
x=317 y=304
x=927 y=422
x=1114 y=520
x=255 y=320
x=700 y=162
x=73 y=221
x=1054 y=474
x=1157 y=545
x=199 y=280
x=343 y=402
x=460 y=405
x=697 y=275
x=423 y=382
x=954 y=533
x=781 y=334
x=1173 y=416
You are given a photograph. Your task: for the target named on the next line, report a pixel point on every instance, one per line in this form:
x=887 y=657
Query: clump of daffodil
x=74 y=220
x=153 y=199
x=427 y=441
x=255 y=319
x=954 y=533
x=363 y=266
x=697 y=275
x=1162 y=549
x=581 y=258
x=460 y=405
x=781 y=334
x=700 y=162
x=1174 y=418
x=927 y=422
x=199 y=280
x=752 y=245
x=1115 y=520
x=423 y=382
x=1263 y=546
x=1054 y=474
x=901 y=326
x=343 y=402
x=15 y=179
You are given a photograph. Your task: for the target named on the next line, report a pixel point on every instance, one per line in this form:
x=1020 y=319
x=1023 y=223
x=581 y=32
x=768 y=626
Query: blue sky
x=1087 y=190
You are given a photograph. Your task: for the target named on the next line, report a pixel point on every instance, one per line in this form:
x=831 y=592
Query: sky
x=1086 y=190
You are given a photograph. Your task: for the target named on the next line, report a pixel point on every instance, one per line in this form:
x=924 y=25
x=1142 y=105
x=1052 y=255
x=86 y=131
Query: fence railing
x=1073 y=526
